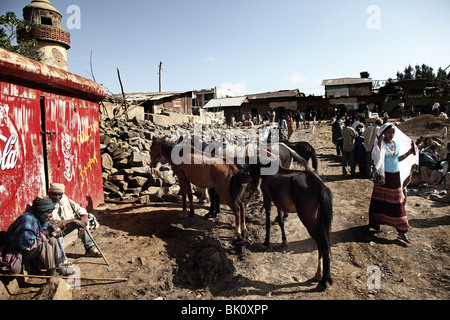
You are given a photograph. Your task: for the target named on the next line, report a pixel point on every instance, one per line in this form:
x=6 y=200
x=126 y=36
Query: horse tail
x=325 y=214
x=324 y=221
x=314 y=159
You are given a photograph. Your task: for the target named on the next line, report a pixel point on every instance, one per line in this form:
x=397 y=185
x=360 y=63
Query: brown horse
x=204 y=172
x=305 y=193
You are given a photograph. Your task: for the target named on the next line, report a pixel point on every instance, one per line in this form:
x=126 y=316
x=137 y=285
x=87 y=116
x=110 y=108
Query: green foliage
x=9 y=39
x=421 y=72
x=364 y=74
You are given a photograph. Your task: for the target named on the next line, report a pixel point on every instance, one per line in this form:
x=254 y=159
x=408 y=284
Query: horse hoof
x=320 y=287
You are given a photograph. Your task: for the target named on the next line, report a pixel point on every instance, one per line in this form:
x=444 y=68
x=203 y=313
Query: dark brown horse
x=305 y=193
x=305 y=150
x=204 y=172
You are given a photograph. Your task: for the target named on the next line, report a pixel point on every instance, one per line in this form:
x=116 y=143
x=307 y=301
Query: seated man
x=70 y=216
x=30 y=238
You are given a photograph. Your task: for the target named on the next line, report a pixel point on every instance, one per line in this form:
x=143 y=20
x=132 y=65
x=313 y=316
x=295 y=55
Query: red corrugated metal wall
x=21 y=147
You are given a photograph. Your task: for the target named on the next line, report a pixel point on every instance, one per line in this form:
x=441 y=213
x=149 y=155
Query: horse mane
x=298 y=158
x=166 y=146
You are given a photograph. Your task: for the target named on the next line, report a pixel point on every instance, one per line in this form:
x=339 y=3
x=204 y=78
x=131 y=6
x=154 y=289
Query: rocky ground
x=166 y=257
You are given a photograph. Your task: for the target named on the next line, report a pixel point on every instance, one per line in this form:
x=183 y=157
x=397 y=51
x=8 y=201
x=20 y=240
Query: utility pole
x=160 y=65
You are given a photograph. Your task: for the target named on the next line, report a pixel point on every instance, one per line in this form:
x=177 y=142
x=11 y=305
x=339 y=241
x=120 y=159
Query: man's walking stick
x=95 y=243
x=90 y=235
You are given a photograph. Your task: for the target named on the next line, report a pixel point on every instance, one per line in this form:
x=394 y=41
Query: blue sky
x=250 y=46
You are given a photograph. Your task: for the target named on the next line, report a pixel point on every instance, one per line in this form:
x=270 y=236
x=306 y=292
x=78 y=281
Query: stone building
x=52 y=40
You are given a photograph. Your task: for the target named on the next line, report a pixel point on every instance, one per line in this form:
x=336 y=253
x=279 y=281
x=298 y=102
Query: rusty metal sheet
x=73 y=147
x=21 y=163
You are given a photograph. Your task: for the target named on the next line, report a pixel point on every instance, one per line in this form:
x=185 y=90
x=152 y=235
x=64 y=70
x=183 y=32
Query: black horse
x=305 y=193
x=305 y=150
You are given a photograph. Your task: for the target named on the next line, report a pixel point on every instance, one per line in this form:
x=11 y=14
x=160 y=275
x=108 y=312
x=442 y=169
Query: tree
x=10 y=26
x=364 y=74
x=408 y=73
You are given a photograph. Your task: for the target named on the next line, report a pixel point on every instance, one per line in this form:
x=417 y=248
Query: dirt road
x=166 y=257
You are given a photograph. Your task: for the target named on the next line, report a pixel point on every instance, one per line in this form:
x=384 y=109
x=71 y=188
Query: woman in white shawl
x=393 y=166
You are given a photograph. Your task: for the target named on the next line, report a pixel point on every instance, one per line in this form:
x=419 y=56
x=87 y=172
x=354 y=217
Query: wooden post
x=160 y=65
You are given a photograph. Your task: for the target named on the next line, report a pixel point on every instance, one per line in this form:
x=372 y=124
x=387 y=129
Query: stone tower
x=52 y=40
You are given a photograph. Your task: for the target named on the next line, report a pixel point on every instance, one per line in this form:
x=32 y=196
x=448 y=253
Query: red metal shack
x=49 y=132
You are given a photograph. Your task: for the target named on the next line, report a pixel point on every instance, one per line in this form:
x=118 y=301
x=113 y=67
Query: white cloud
x=298 y=78
x=239 y=89
x=209 y=59
x=307 y=85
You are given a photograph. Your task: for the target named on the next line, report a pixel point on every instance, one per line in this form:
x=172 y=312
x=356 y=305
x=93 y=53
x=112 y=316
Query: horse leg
x=183 y=197
x=318 y=276
x=267 y=205
x=214 y=206
x=242 y=216
x=237 y=221
x=191 y=203
x=281 y=224
x=211 y=203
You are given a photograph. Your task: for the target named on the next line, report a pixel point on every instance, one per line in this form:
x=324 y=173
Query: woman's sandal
x=404 y=237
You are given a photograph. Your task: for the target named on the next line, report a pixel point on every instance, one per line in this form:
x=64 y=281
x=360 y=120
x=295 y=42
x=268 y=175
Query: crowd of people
x=376 y=149
x=354 y=139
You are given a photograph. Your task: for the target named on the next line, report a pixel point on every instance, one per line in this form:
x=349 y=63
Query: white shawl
x=408 y=165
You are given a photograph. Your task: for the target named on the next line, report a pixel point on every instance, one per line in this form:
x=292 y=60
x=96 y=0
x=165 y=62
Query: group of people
x=434 y=161
x=351 y=138
x=386 y=154
x=35 y=237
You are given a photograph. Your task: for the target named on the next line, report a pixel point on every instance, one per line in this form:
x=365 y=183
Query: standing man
x=337 y=133
x=349 y=135
x=370 y=135
x=70 y=216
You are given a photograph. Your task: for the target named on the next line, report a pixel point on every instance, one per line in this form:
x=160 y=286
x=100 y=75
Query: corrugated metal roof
x=345 y=81
x=146 y=96
x=274 y=94
x=225 y=102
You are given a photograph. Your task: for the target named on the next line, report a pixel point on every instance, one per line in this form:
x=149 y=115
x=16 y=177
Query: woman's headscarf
x=408 y=165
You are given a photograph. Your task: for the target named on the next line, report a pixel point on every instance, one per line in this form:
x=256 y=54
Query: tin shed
x=49 y=132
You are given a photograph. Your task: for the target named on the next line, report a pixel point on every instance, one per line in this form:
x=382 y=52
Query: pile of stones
x=125 y=151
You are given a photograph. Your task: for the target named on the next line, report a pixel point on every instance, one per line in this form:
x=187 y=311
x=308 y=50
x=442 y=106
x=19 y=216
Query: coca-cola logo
x=68 y=157
x=8 y=156
x=9 y=146
x=11 y=159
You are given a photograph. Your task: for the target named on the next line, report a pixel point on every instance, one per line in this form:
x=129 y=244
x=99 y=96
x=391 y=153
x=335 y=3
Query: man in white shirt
x=369 y=138
x=70 y=216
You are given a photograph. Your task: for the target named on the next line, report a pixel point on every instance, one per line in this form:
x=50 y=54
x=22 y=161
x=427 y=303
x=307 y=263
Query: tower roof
x=42 y=4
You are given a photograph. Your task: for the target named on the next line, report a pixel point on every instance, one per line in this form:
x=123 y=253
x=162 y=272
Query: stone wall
x=127 y=175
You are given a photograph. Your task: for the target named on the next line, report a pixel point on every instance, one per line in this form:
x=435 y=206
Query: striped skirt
x=387 y=205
